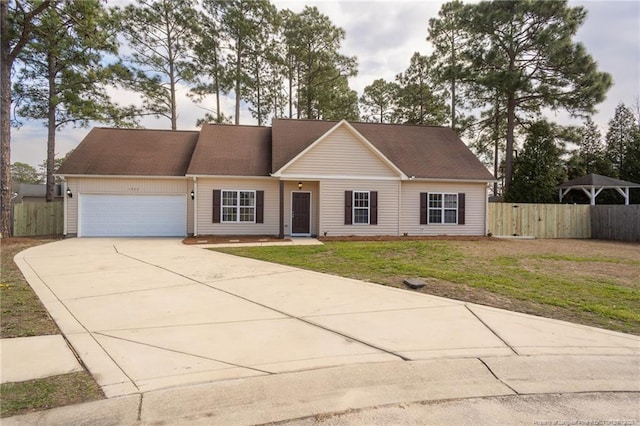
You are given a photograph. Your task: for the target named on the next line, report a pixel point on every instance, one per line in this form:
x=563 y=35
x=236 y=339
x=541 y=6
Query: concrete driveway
x=151 y=315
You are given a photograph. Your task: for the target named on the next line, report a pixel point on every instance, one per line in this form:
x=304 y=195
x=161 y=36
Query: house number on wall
x=134 y=189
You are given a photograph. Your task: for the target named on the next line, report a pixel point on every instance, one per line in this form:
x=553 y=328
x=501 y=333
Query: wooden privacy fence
x=31 y=219
x=540 y=220
x=620 y=223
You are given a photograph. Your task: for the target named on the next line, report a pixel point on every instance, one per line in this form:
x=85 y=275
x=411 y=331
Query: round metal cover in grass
x=414 y=283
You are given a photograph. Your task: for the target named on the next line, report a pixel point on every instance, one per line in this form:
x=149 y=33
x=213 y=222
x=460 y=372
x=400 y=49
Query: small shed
x=593 y=184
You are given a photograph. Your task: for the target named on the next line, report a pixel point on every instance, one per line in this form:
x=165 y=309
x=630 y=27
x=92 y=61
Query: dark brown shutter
x=461 y=208
x=259 y=206
x=217 y=199
x=348 y=200
x=423 y=208
x=373 y=208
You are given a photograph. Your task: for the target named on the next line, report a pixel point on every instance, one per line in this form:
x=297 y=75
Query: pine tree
x=378 y=101
x=449 y=34
x=159 y=33
x=417 y=103
x=315 y=68
x=620 y=137
x=590 y=156
x=63 y=79
x=209 y=76
x=24 y=173
x=539 y=169
x=17 y=21
x=247 y=26
x=524 y=51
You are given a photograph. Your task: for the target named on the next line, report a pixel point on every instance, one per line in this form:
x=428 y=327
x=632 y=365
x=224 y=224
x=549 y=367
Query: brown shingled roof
x=131 y=152
x=232 y=150
x=420 y=151
x=291 y=137
x=218 y=150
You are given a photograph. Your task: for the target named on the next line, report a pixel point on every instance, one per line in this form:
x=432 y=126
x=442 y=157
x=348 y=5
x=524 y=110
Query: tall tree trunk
x=421 y=102
x=258 y=94
x=5 y=132
x=238 y=73
x=172 y=73
x=508 y=160
x=496 y=148
x=290 y=89
x=7 y=56
x=298 y=91
x=453 y=82
x=309 y=94
x=172 y=94
x=216 y=85
x=51 y=125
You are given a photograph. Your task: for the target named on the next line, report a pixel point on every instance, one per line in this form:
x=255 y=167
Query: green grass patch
x=485 y=272
x=33 y=395
x=24 y=315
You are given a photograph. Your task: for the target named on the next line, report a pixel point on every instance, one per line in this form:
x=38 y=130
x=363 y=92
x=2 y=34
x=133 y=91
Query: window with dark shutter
x=348 y=200
x=441 y=208
x=373 y=209
x=259 y=206
x=423 y=208
x=216 y=205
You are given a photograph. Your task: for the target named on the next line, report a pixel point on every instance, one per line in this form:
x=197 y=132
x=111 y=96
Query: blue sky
x=384 y=35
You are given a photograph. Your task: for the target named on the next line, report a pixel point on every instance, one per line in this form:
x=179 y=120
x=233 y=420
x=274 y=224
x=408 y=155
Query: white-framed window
x=443 y=208
x=361 y=207
x=238 y=206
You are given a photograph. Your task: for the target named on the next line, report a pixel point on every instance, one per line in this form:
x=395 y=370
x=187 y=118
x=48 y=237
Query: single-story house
x=34 y=193
x=296 y=178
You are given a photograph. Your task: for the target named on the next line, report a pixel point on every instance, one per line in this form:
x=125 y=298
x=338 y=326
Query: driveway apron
x=150 y=314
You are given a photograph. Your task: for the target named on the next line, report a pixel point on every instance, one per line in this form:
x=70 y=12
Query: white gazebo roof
x=592 y=184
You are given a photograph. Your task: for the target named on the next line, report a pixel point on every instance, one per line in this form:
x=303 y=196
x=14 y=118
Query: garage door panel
x=114 y=215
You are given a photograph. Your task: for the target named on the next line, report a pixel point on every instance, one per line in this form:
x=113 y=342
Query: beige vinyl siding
x=340 y=154
x=125 y=186
x=204 y=206
x=475 y=208
x=332 y=207
x=307 y=186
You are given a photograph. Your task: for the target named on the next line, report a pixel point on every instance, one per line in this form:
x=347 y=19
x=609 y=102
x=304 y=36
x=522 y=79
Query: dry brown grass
x=24 y=315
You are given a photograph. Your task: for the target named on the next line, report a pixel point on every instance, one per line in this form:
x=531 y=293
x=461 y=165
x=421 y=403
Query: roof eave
x=80 y=175
x=200 y=175
x=437 y=179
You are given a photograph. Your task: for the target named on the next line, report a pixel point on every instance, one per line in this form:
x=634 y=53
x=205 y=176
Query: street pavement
x=175 y=333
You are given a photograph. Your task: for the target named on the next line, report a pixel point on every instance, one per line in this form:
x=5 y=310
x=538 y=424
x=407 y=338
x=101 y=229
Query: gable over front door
x=300 y=213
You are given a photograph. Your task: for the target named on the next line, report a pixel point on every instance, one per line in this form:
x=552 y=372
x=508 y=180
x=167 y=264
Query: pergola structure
x=593 y=184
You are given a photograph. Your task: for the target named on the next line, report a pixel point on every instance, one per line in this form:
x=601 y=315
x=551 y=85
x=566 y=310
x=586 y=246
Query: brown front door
x=301 y=213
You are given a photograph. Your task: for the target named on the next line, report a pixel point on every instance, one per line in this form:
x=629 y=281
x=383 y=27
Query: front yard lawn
x=23 y=315
x=584 y=281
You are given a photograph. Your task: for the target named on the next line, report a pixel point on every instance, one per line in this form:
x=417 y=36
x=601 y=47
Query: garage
x=117 y=215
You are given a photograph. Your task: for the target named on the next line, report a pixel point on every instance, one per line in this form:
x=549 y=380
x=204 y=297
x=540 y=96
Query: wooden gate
x=540 y=220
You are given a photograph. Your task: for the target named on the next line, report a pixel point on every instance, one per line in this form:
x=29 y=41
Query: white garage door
x=132 y=215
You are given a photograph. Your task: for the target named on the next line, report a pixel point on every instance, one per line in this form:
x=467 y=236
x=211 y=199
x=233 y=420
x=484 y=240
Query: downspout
x=281 y=233
x=195 y=206
x=486 y=210
x=66 y=208
x=398 y=233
